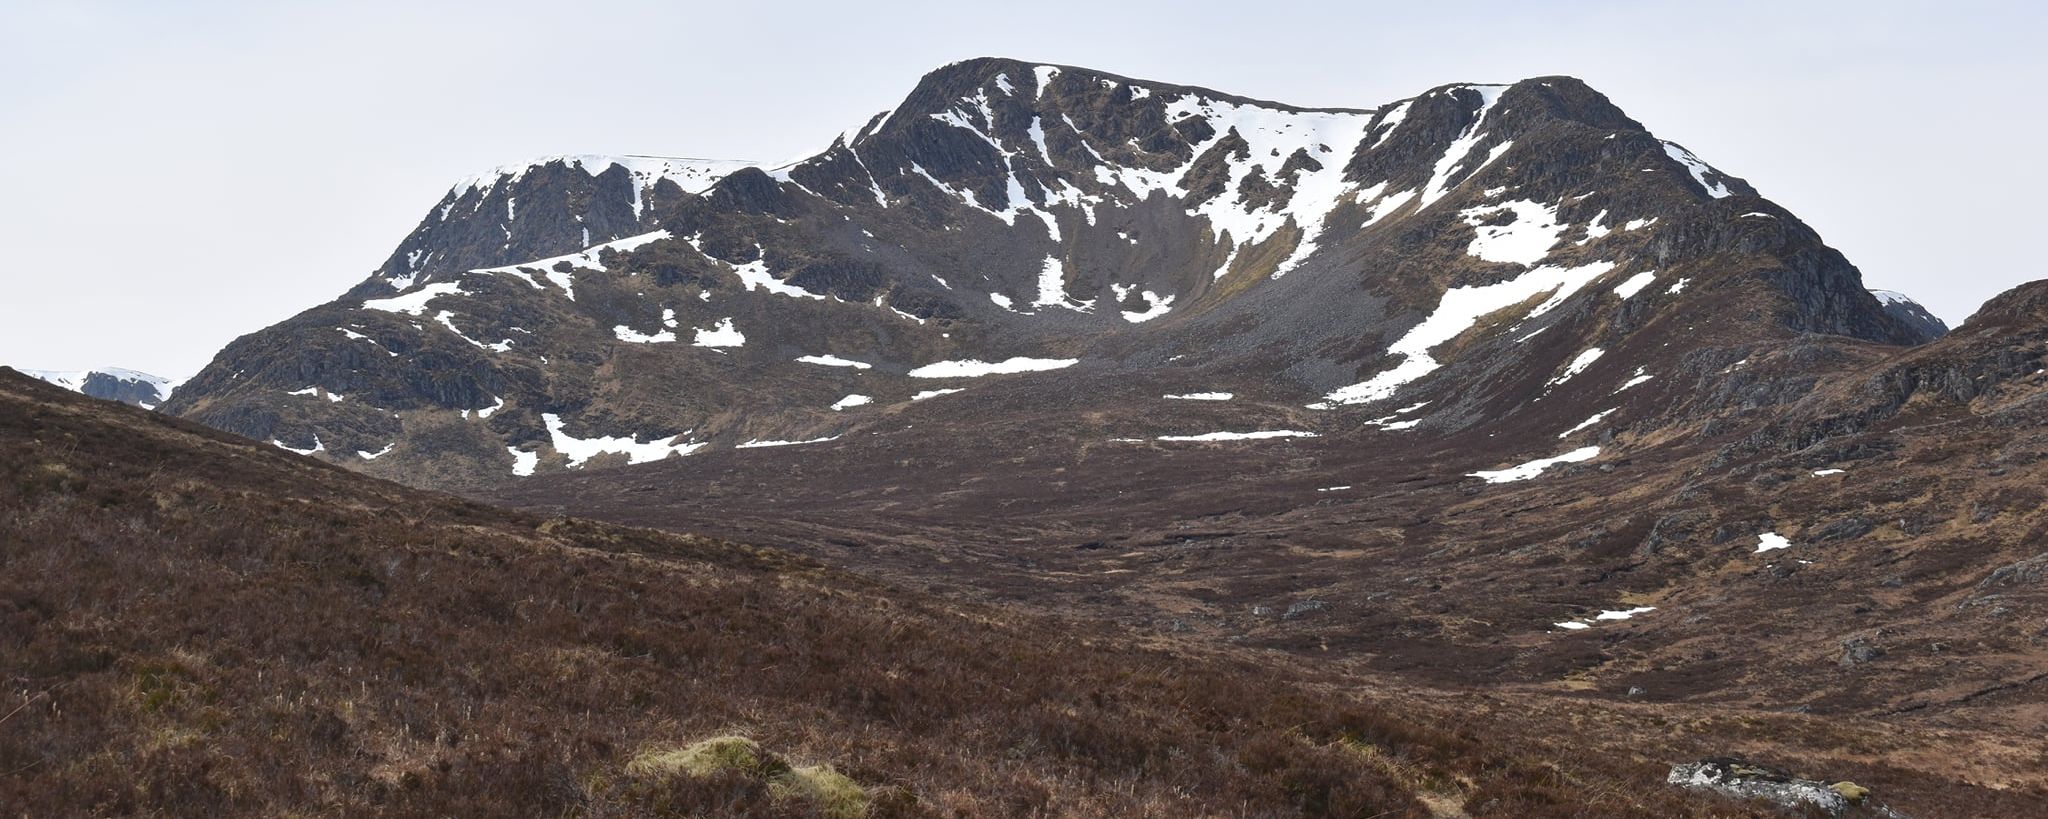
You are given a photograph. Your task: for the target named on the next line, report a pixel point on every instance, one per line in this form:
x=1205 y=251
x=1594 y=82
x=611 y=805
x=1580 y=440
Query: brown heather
x=195 y=625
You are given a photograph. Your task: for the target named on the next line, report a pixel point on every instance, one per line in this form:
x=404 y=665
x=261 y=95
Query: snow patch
x=972 y=368
x=1578 y=365
x=1241 y=436
x=1052 y=288
x=1454 y=156
x=415 y=303
x=1458 y=310
x=760 y=444
x=1623 y=614
x=1533 y=468
x=1597 y=418
x=523 y=463
x=590 y=258
x=1524 y=241
x=1155 y=304
x=1699 y=169
x=721 y=335
x=1635 y=284
x=580 y=450
x=834 y=361
x=317 y=446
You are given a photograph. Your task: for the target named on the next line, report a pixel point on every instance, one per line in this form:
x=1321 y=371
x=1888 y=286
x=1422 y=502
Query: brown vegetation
x=196 y=625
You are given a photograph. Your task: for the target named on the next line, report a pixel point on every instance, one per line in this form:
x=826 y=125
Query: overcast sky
x=178 y=174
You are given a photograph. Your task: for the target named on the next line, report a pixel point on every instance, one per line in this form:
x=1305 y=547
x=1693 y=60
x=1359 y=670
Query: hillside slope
x=199 y=625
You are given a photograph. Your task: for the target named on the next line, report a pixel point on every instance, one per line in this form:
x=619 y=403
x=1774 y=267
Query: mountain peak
x=1476 y=246
x=111 y=383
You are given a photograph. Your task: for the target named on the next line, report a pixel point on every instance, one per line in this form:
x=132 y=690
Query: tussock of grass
x=828 y=792
x=710 y=757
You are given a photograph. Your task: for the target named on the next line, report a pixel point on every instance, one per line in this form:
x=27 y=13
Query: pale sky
x=178 y=174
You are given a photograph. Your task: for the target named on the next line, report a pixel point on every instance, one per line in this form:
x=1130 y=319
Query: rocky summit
x=113 y=384
x=1489 y=393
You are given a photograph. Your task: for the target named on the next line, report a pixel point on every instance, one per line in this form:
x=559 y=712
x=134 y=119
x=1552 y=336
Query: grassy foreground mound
x=192 y=624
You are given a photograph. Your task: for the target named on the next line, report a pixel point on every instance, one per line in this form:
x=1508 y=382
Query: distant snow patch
x=1623 y=614
x=1524 y=241
x=1240 y=436
x=1453 y=159
x=1456 y=312
x=1822 y=473
x=1771 y=541
x=360 y=337
x=1201 y=396
x=936 y=393
x=721 y=335
x=371 y=456
x=317 y=446
x=415 y=303
x=1597 y=418
x=855 y=400
x=1638 y=378
x=1533 y=468
x=1609 y=615
x=523 y=463
x=590 y=258
x=579 y=450
x=760 y=444
x=1577 y=365
x=1155 y=304
x=1052 y=288
x=972 y=368
x=834 y=361
x=1699 y=170
x=632 y=336
x=1635 y=284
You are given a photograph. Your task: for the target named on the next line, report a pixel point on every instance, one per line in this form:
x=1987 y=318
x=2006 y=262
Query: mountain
x=1488 y=402
x=1468 y=250
x=112 y=383
x=1909 y=312
x=404 y=653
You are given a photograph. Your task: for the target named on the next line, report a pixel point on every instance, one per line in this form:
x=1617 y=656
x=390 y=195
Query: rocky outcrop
x=1746 y=780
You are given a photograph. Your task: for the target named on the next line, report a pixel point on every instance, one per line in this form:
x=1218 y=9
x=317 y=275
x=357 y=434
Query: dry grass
x=194 y=625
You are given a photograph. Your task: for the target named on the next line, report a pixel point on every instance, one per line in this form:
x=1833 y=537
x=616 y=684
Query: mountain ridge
x=1098 y=220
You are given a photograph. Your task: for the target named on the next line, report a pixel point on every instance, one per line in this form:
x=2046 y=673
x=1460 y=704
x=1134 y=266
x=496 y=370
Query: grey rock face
x=1745 y=780
x=1911 y=314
